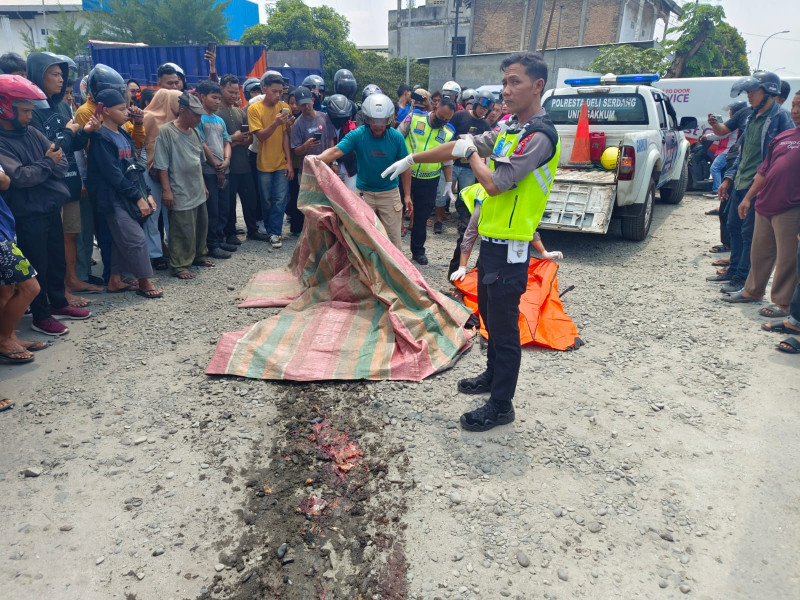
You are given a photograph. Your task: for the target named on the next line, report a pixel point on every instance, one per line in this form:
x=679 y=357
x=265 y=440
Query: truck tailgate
x=580 y=201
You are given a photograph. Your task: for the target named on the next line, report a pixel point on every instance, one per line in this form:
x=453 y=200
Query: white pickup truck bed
x=581 y=200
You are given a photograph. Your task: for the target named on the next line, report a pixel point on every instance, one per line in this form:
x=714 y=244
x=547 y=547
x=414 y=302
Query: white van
x=698 y=96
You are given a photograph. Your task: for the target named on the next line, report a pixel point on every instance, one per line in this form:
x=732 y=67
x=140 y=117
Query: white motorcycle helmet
x=452 y=90
x=379 y=109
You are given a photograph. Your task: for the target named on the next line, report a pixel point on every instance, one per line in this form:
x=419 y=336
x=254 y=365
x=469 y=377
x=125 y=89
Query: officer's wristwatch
x=469 y=153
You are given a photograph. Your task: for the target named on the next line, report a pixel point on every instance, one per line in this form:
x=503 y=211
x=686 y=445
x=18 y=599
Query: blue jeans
x=463 y=175
x=151 y=232
x=274 y=189
x=717 y=169
x=741 y=232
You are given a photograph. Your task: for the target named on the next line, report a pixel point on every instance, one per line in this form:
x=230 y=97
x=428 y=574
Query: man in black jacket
x=50 y=73
x=36 y=169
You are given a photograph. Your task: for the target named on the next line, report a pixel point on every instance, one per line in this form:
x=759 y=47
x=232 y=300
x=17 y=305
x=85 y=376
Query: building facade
x=432 y=31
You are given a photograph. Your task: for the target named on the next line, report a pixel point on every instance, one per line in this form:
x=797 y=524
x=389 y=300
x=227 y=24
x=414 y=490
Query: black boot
x=482 y=384
x=488 y=416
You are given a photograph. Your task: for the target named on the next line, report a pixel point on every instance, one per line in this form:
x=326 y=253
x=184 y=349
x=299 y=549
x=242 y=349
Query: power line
x=776 y=38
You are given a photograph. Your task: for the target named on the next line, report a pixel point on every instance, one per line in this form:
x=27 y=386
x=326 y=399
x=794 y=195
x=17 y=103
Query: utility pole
x=454 y=42
x=537 y=20
x=408 y=46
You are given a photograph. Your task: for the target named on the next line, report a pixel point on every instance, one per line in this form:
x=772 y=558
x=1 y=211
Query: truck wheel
x=635 y=227
x=675 y=192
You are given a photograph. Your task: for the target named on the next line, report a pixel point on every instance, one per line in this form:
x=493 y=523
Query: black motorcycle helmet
x=486 y=100
x=102 y=78
x=769 y=82
x=314 y=81
x=344 y=83
x=340 y=109
x=369 y=90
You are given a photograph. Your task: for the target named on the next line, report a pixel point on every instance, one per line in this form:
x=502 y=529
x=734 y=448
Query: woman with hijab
x=163 y=109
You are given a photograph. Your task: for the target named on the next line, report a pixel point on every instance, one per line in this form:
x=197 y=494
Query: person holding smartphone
x=312 y=133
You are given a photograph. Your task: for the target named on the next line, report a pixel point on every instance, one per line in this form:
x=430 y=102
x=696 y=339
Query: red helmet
x=13 y=89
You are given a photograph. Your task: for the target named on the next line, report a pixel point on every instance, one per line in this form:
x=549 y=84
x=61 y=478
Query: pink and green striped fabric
x=354 y=306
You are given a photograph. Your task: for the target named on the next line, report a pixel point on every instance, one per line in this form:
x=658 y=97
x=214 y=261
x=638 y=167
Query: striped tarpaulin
x=354 y=306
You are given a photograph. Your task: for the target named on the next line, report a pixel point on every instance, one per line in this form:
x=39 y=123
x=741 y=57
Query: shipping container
x=141 y=62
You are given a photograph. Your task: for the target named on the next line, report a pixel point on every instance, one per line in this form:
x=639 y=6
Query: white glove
x=463 y=144
x=458 y=274
x=552 y=255
x=448 y=191
x=401 y=166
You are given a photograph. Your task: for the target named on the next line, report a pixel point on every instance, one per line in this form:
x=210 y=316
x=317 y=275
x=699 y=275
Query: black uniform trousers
x=423 y=196
x=500 y=287
x=41 y=240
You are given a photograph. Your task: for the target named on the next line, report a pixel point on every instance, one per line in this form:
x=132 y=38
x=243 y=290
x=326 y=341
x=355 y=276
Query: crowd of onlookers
x=756 y=176
x=150 y=175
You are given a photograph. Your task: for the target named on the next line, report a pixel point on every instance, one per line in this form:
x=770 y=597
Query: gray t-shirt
x=531 y=153
x=305 y=128
x=214 y=133
x=181 y=155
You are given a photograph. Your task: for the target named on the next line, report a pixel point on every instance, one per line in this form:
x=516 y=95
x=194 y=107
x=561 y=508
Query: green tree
x=626 y=59
x=69 y=36
x=30 y=45
x=293 y=25
x=162 y=22
x=703 y=45
x=388 y=73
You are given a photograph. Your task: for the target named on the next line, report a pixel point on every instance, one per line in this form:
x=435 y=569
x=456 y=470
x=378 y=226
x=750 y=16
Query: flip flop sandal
x=86 y=290
x=150 y=294
x=36 y=346
x=712 y=212
x=739 y=298
x=204 y=262
x=80 y=302
x=8 y=406
x=184 y=275
x=719 y=248
x=131 y=287
x=722 y=262
x=772 y=312
x=160 y=264
x=8 y=358
x=778 y=326
x=793 y=343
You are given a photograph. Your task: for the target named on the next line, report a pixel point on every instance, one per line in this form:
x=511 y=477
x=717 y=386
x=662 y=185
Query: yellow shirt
x=86 y=110
x=271 y=156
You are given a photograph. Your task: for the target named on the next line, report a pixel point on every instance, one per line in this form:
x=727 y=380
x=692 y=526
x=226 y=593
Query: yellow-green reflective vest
x=421 y=136
x=515 y=214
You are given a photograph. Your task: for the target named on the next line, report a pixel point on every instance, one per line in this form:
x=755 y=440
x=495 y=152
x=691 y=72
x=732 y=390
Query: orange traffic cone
x=581 y=155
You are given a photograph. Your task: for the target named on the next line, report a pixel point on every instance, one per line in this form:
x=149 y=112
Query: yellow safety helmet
x=610 y=158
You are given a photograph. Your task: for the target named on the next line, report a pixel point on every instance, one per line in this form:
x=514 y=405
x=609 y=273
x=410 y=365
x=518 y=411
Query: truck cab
x=625 y=112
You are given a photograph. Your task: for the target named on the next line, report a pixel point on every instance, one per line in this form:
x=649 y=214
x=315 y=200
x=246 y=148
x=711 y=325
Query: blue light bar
x=612 y=79
x=583 y=81
x=623 y=79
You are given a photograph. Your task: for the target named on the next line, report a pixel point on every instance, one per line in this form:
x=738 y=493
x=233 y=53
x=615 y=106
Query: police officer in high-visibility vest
x=424 y=131
x=513 y=192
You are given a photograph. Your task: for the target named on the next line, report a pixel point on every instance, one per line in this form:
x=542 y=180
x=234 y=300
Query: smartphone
x=59 y=142
x=285 y=111
x=719 y=118
x=318 y=136
x=245 y=128
x=211 y=48
x=98 y=112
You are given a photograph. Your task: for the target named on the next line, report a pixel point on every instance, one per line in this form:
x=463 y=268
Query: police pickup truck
x=640 y=122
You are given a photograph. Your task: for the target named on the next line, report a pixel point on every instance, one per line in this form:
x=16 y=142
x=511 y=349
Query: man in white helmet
x=453 y=91
x=377 y=146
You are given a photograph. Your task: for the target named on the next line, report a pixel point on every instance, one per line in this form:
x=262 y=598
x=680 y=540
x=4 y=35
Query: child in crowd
x=178 y=159
x=216 y=167
x=18 y=287
x=122 y=198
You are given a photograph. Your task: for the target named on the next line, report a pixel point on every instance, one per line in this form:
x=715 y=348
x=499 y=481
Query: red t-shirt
x=781 y=168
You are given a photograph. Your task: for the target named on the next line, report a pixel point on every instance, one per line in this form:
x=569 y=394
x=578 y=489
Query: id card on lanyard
x=517 y=251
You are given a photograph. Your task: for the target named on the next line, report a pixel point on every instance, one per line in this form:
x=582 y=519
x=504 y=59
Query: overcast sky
x=755 y=20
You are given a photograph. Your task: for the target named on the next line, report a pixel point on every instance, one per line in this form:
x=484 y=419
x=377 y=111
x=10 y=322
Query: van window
x=604 y=109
